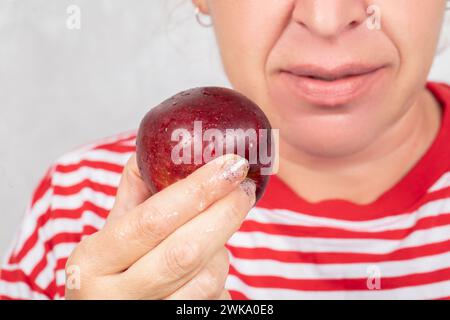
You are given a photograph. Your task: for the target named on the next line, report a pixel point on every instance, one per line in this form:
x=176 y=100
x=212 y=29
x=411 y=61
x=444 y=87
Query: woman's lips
x=326 y=87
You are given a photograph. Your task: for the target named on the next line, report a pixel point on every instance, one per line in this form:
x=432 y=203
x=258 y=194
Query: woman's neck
x=361 y=178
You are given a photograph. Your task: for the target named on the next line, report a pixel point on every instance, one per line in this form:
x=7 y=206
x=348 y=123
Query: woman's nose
x=329 y=18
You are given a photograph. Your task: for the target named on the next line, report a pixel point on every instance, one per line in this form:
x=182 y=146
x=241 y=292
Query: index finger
x=179 y=257
x=129 y=237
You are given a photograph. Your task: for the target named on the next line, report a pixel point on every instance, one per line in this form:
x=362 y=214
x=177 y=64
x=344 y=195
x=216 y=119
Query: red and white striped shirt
x=396 y=247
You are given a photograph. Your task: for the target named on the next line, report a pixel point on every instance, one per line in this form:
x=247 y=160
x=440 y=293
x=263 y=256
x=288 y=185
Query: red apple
x=195 y=126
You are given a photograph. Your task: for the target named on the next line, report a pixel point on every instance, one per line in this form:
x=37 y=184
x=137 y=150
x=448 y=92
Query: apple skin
x=217 y=108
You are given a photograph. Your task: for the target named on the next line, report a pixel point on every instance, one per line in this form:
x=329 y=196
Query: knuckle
x=82 y=280
x=203 y=192
x=79 y=254
x=73 y=259
x=79 y=259
x=234 y=212
x=183 y=258
x=150 y=223
x=210 y=283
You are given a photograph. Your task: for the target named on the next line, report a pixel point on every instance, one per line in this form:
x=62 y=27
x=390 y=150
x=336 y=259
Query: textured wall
x=60 y=88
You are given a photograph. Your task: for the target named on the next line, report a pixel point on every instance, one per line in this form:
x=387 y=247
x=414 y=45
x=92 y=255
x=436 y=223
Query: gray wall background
x=60 y=88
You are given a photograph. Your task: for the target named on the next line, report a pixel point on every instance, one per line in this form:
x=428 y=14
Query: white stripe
x=60 y=202
x=442 y=183
x=403 y=221
x=117 y=137
x=60 y=278
x=95 y=175
x=129 y=143
x=30 y=260
x=107 y=140
x=11 y=248
x=371 y=246
x=42 y=204
x=51 y=229
x=59 y=225
x=428 y=291
x=94 y=155
x=63 y=250
x=20 y=290
x=266 y=267
x=76 y=201
x=31 y=217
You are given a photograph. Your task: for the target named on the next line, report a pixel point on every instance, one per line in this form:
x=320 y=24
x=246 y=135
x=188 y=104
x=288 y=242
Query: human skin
x=167 y=246
x=353 y=151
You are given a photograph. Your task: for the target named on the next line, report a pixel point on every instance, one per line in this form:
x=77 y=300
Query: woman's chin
x=333 y=140
x=331 y=131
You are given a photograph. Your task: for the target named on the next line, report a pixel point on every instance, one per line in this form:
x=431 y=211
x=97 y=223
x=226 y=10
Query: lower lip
x=332 y=93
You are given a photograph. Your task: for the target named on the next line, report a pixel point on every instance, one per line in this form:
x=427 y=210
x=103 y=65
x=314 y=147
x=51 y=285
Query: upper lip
x=332 y=73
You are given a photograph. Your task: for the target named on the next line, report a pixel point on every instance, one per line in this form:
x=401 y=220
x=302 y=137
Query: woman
x=360 y=206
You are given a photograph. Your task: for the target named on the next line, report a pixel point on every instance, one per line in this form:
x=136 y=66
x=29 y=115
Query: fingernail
x=249 y=187
x=234 y=168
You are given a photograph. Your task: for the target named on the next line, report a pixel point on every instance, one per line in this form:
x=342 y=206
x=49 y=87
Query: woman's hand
x=169 y=245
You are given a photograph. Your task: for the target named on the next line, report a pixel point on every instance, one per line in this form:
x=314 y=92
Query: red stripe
x=114 y=147
x=51 y=291
x=31 y=240
x=76 y=214
x=53 y=288
x=58 y=239
x=75 y=189
x=275 y=199
x=108 y=166
x=253 y=253
x=277 y=255
x=42 y=188
x=58 y=213
x=5 y=297
x=338 y=257
x=19 y=276
x=387 y=283
x=236 y=295
x=61 y=291
x=58 y=290
x=61 y=263
x=347 y=284
x=324 y=232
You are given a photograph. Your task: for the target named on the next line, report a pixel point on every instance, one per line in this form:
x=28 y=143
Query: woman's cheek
x=415 y=36
x=245 y=38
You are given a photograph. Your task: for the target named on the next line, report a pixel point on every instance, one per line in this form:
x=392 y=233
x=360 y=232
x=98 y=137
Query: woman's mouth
x=331 y=87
